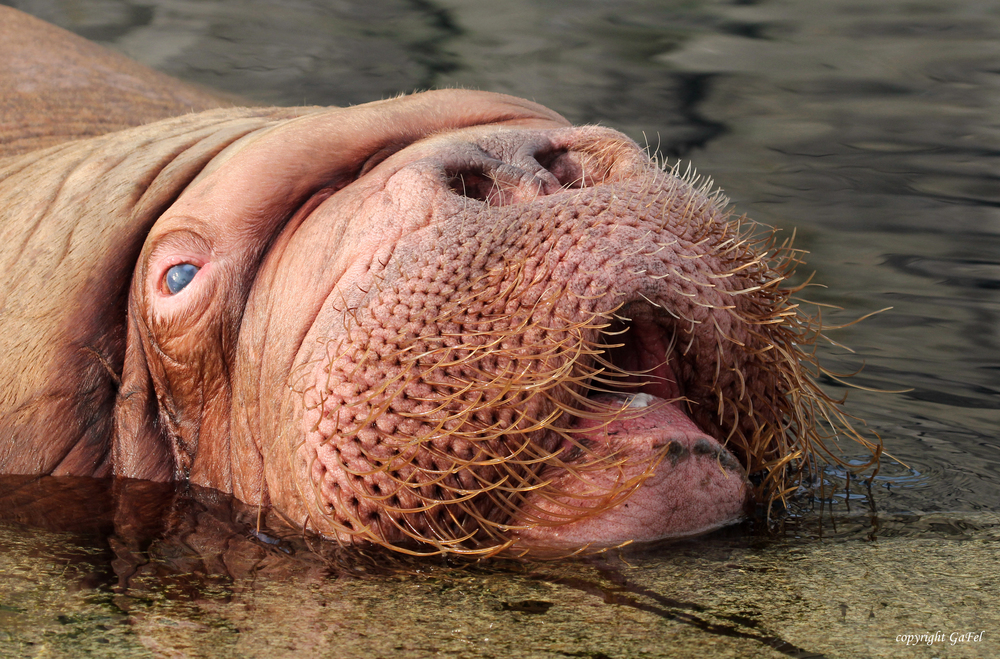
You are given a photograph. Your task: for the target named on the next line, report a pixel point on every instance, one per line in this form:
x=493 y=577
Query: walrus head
x=451 y=322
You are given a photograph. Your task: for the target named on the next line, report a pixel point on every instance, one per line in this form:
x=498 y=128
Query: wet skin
x=446 y=322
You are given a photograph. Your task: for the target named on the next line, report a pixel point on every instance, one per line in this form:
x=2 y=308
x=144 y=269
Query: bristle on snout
x=447 y=409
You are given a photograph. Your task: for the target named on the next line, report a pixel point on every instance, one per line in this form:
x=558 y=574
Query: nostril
x=548 y=172
x=555 y=162
x=573 y=169
x=507 y=173
x=494 y=182
x=475 y=184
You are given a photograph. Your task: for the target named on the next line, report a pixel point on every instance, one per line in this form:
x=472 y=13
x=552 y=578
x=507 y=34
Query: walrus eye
x=180 y=276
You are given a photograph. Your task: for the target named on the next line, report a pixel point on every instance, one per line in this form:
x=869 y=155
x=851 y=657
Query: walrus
x=447 y=322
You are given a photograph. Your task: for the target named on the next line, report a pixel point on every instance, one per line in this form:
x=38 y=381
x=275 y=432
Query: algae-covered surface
x=196 y=578
x=203 y=595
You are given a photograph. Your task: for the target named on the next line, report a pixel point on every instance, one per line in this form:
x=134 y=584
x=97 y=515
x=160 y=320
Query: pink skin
x=254 y=395
x=694 y=487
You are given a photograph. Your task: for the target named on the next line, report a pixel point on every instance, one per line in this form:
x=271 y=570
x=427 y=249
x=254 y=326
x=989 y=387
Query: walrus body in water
x=446 y=322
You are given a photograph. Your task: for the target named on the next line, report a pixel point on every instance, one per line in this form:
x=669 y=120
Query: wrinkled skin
x=442 y=322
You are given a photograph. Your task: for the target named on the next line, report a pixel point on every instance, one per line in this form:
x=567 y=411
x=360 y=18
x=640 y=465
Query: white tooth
x=640 y=400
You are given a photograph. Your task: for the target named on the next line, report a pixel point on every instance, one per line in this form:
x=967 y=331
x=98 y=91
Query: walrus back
x=56 y=87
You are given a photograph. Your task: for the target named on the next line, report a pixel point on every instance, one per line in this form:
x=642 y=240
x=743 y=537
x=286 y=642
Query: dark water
x=869 y=128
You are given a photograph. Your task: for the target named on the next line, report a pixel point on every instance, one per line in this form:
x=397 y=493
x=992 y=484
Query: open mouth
x=640 y=348
x=632 y=374
x=634 y=465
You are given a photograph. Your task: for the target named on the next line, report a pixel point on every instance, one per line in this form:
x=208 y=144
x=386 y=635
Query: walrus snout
x=457 y=346
x=444 y=323
x=416 y=342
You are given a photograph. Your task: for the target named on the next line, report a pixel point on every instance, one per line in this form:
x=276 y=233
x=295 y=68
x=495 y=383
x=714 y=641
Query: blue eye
x=180 y=276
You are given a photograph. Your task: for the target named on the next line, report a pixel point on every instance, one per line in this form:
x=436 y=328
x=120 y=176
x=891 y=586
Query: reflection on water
x=868 y=126
x=143 y=569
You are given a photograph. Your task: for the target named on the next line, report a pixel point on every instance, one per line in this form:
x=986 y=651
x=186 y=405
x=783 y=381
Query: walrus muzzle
x=446 y=322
